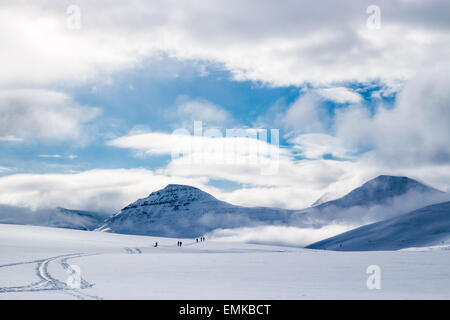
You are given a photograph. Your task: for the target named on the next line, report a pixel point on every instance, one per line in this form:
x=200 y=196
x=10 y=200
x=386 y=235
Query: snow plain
x=33 y=263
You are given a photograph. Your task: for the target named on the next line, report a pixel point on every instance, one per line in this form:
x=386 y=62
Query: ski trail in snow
x=133 y=250
x=47 y=282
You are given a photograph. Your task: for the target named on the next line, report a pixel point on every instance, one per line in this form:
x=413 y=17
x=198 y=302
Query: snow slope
x=34 y=260
x=424 y=227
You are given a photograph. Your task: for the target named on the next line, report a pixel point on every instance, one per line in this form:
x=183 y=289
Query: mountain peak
x=397 y=184
x=186 y=211
x=179 y=187
x=380 y=189
x=175 y=195
x=387 y=178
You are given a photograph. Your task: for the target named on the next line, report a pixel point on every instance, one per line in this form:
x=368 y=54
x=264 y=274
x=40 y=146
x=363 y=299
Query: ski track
x=133 y=250
x=47 y=282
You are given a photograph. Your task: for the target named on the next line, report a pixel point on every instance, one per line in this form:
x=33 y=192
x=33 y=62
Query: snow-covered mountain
x=424 y=227
x=381 y=198
x=185 y=211
x=379 y=191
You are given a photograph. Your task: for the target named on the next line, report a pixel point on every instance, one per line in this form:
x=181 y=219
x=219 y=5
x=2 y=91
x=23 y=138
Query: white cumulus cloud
x=41 y=114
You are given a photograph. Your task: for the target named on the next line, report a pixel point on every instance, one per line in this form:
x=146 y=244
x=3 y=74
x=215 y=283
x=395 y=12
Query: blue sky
x=142 y=98
x=88 y=103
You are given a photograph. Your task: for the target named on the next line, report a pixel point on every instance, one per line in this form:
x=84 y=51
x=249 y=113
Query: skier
x=196 y=240
x=156 y=244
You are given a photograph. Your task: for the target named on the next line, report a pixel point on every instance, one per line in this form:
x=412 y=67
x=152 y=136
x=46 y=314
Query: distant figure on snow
x=156 y=244
x=196 y=240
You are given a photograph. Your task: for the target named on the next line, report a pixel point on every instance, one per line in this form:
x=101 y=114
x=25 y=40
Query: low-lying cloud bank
x=278 y=235
x=57 y=217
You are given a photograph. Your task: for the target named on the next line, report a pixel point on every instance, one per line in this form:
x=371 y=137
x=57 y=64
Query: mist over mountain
x=381 y=198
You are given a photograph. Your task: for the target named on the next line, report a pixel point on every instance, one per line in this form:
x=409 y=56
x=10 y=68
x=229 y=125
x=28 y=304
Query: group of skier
x=201 y=239
x=180 y=243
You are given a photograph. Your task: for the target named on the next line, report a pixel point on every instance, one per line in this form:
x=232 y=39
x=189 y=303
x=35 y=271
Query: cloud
x=340 y=95
x=110 y=190
x=236 y=148
x=278 y=235
x=365 y=214
x=305 y=114
x=40 y=50
x=413 y=133
x=244 y=160
x=187 y=111
x=10 y=139
x=93 y=190
x=317 y=145
x=298 y=183
x=28 y=114
x=4 y=169
x=49 y=156
x=410 y=138
x=45 y=217
x=274 y=179
x=296 y=43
